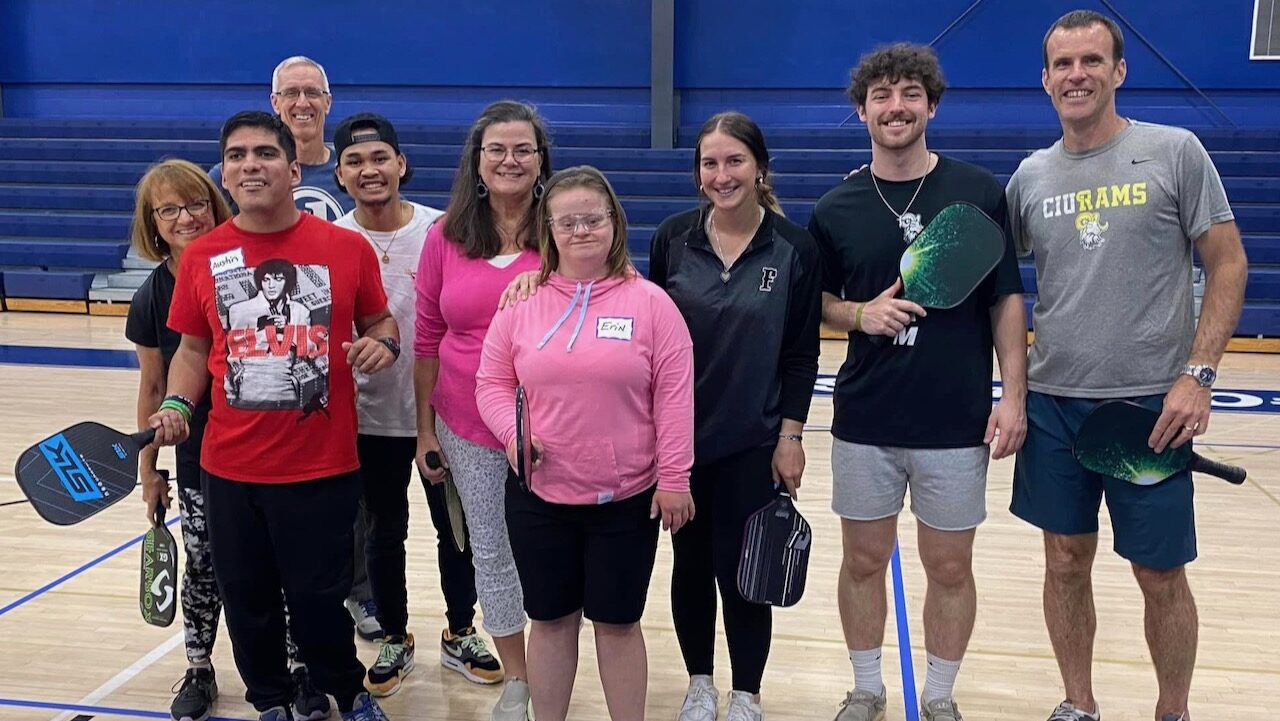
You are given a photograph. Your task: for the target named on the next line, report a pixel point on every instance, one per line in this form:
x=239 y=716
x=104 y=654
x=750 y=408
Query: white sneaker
x=513 y=704
x=743 y=708
x=702 y=701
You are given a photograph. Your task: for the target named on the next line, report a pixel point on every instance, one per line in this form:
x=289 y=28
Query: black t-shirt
x=931 y=386
x=147 y=325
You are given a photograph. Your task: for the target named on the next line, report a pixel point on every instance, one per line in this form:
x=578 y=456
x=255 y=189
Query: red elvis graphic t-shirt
x=277 y=308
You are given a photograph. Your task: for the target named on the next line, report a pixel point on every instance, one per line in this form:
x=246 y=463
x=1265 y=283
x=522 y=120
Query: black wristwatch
x=391 y=344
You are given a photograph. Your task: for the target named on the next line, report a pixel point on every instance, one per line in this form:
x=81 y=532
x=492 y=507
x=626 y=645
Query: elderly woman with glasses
x=486 y=238
x=176 y=204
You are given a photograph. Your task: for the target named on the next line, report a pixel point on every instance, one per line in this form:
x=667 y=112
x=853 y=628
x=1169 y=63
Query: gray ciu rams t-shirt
x=1112 y=230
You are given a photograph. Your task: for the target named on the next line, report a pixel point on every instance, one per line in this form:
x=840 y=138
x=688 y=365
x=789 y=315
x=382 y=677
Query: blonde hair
x=188 y=181
x=583 y=176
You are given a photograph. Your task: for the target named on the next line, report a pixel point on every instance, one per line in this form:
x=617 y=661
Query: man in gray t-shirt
x=1112 y=212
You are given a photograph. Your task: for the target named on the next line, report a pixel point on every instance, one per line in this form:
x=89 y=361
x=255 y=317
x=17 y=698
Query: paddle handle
x=1225 y=471
x=142 y=439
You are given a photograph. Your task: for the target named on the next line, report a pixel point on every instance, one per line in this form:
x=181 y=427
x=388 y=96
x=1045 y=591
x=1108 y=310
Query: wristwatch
x=391 y=345
x=1203 y=374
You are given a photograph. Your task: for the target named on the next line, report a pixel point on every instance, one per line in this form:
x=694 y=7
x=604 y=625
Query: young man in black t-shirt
x=915 y=412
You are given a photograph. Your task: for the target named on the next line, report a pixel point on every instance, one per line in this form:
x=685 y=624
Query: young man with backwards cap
x=371 y=168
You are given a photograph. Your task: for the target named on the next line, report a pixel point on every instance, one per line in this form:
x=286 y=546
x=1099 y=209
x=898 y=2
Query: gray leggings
x=481 y=476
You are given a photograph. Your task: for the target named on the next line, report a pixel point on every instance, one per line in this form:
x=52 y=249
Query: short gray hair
x=297 y=60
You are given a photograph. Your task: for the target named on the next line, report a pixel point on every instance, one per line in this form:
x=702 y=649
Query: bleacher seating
x=66 y=189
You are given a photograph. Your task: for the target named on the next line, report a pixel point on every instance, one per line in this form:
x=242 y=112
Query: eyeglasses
x=293 y=93
x=171 y=212
x=498 y=153
x=568 y=224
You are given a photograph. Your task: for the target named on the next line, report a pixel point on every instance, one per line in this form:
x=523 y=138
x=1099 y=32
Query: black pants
x=386 y=463
x=297 y=537
x=725 y=493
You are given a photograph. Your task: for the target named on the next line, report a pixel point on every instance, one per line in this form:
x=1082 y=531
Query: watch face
x=1206 y=376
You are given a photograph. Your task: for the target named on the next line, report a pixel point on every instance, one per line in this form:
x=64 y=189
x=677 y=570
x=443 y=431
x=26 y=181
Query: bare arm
x=1222 y=254
x=1007 y=425
x=187 y=378
x=1186 y=405
x=151 y=387
x=367 y=353
x=425 y=373
x=838 y=314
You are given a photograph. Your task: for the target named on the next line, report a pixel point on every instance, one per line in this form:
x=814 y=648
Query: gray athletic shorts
x=948 y=485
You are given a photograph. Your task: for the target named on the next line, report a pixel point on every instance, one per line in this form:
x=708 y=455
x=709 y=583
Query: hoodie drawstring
x=578 y=291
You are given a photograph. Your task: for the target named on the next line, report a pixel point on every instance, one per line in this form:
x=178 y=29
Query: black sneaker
x=195 y=696
x=395 y=661
x=309 y=703
x=467 y=654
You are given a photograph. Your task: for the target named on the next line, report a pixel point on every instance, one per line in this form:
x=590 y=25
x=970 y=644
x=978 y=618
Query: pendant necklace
x=906 y=221
x=386 y=252
x=718 y=248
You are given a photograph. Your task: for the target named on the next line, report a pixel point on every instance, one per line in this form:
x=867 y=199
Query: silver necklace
x=719 y=248
x=903 y=221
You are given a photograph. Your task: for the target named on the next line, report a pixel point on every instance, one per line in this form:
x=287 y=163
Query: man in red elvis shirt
x=267 y=303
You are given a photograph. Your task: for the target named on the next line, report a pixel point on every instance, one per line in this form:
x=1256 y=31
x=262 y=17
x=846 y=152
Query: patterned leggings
x=201 y=602
x=481 y=476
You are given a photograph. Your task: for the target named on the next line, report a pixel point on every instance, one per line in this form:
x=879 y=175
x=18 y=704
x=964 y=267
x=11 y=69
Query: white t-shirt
x=385 y=400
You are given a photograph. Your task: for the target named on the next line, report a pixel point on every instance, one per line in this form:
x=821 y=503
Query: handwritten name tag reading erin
x=614 y=328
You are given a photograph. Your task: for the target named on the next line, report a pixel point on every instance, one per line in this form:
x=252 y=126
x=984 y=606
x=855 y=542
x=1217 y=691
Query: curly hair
x=892 y=63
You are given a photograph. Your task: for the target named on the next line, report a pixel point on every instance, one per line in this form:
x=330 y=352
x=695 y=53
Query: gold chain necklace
x=386 y=252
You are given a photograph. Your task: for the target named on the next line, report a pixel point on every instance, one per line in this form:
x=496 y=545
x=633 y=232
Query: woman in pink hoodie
x=607 y=366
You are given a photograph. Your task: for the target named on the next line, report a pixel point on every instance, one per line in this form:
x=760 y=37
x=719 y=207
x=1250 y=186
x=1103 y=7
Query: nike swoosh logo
x=451 y=652
x=1144 y=160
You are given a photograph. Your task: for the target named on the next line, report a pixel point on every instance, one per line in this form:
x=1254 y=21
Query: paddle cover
x=1113 y=441
x=775 y=554
x=951 y=256
x=525 y=453
x=452 y=503
x=76 y=473
x=158 y=587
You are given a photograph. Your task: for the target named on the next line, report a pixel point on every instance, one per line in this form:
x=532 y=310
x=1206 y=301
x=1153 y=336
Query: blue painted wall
x=588 y=60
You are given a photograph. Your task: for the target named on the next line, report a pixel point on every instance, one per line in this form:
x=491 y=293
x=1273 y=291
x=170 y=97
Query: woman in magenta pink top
x=487 y=237
x=606 y=362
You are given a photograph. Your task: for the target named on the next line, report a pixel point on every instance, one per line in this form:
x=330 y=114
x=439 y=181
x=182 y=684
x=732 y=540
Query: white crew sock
x=940 y=679
x=866 y=670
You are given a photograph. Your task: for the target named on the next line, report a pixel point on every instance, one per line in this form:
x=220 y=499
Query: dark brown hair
x=892 y=63
x=743 y=129
x=469 y=221
x=1084 y=19
x=583 y=176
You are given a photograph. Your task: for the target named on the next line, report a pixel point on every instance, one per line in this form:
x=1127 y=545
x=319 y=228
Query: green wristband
x=178 y=406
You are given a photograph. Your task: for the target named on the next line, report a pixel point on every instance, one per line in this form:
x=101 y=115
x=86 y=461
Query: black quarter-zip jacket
x=755 y=336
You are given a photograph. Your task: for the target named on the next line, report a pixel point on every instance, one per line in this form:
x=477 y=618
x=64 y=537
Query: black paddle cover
x=775 y=554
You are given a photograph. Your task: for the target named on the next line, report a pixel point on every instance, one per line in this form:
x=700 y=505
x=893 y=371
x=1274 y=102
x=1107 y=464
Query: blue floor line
x=109 y=710
x=904 y=639
x=67 y=577
x=56 y=356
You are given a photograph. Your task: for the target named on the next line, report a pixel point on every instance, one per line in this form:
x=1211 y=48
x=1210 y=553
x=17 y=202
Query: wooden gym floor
x=72 y=642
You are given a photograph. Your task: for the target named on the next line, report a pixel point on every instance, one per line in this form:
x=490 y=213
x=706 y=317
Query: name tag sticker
x=615 y=328
x=230 y=260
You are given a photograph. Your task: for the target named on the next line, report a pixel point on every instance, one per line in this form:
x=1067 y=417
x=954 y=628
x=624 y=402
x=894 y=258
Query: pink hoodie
x=607 y=368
